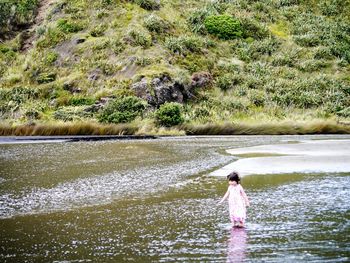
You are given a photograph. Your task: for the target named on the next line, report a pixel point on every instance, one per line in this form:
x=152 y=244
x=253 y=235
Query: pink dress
x=237 y=201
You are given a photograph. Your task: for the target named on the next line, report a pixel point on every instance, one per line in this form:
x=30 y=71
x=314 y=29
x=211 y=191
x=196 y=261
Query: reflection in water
x=237 y=245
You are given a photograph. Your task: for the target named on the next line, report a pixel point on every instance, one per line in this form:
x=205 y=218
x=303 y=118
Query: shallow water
x=154 y=200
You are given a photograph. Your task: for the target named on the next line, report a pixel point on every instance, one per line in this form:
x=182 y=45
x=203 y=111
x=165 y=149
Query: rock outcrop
x=164 y=89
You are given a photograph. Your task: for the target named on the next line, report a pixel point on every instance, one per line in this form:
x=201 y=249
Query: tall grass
x=284 y=128
x=57 y=129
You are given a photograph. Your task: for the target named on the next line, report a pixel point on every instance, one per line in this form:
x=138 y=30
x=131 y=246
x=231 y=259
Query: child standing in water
x=237 y=200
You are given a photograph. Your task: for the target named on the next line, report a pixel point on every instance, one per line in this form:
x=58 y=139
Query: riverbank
x=122 y=130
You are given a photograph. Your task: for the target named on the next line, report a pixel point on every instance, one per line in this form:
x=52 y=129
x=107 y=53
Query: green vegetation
x=267 y=62
x=223 y=26
x=123 y=110
x=16 y=14
x=169 y=114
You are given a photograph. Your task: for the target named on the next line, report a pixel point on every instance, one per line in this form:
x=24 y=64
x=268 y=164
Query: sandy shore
x=309 y=156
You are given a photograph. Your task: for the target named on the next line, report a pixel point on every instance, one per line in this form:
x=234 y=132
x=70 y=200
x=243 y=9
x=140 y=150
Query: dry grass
x=83 y=128
x=67 y=129
x=319 y=127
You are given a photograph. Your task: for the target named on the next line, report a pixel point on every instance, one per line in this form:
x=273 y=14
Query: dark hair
x=234 y=177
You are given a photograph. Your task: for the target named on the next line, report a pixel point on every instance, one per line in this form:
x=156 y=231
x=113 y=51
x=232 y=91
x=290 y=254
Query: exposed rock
x=160 y=90
x=201 y=79
x=143 y=90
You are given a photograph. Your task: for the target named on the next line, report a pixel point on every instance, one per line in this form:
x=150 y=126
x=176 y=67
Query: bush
x=123 y=110
x=169 y=114
x=148 y=4
x=155 y=24
x=223 y=26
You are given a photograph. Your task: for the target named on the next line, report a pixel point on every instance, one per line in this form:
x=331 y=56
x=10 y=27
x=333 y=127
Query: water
x=154 y=201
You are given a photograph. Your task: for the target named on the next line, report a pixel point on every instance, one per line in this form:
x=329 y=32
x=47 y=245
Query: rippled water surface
x=154 y=201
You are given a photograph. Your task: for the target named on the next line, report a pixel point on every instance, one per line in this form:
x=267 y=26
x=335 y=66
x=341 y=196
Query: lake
x=156 y=200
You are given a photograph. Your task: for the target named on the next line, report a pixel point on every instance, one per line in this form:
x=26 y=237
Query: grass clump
x=223 y=26
x=123 y=110
x=139 y=37
x=68 y=26
x=184 y=45
x=169 y=114
x=155 y=24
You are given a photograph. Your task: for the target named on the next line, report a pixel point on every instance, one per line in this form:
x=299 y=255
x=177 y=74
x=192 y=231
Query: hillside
x=109 y=61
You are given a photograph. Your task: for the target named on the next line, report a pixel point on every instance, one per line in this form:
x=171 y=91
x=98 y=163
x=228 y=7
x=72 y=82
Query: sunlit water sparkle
x=154 y=201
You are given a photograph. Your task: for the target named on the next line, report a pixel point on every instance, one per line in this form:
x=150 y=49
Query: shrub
x=122 y=110
x=155 y=24
x=169 y=114
x=197 y=18
x=148 y=4
x=223 y=26
x=139 y=37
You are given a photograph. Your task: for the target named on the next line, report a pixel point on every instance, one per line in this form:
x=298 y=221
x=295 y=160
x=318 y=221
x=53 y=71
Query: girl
x=237 y=200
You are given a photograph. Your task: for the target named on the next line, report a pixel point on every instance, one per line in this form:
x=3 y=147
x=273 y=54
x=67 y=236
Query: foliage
x=223 y=26
x=123 y=110
x=169 y=114
x=14 y=14
x=78 y=101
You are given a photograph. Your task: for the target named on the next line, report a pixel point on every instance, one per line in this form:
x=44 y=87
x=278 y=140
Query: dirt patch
x=28 y=36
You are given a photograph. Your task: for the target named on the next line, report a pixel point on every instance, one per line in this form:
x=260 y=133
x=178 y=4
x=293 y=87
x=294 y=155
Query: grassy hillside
x=229 y=62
